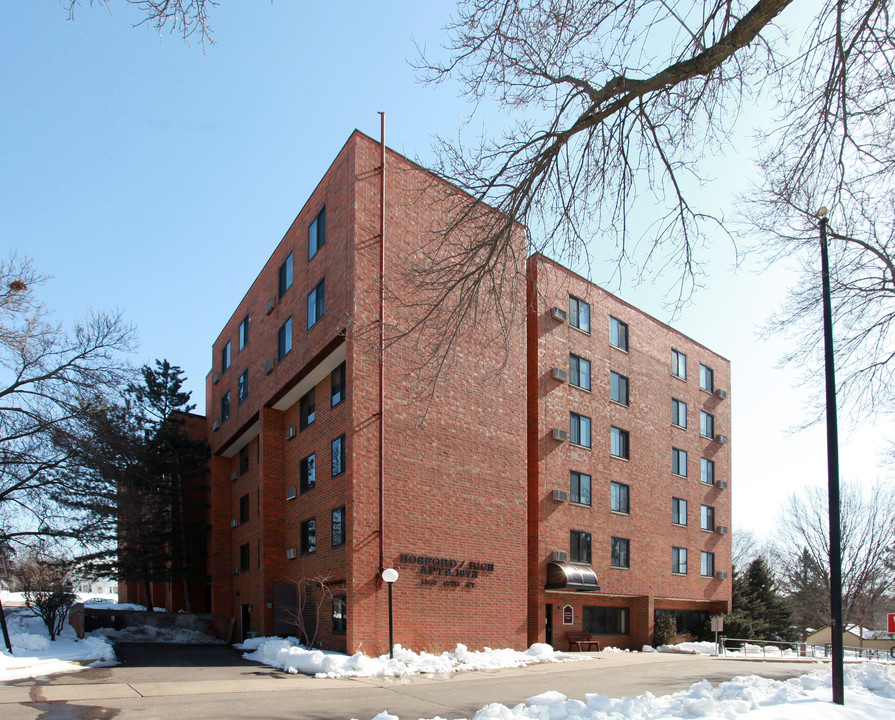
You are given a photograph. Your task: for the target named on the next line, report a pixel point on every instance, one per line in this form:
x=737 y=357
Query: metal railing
x=854 y=652
x=752 y=648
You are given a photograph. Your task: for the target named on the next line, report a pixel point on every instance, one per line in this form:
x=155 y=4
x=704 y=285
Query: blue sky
x=148 y=176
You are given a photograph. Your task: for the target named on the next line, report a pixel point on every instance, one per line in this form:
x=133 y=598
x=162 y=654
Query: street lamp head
x=390 y=575
x=822 y=212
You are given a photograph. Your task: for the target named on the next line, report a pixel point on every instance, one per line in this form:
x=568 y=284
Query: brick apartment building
x=550 y=488
x=629 y=466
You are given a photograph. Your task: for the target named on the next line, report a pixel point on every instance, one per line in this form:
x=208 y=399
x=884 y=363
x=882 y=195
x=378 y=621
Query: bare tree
x=867 y=527
x=47 y=587
x=620 y=102
x=745 y=547
x=312 y=593
x=45 y=375
x=188 y=18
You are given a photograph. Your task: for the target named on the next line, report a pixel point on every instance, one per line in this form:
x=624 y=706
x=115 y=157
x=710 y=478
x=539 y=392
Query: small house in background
x=855 y=637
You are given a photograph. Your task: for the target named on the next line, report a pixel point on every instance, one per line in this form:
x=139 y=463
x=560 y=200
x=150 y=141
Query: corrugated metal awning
x=571 y=577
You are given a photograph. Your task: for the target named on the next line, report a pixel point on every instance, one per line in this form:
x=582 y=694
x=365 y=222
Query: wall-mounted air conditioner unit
x=215 y=425
x=216 y=378
x=721 y=393
x=268 y=367
x=560 y=434
x=560 y=495
x=234 y=570
x=291 y=494
x=721 y=484
x=234 y=523
x=271 y=304
x=291 y=553
x=721 y=530
x=721 y=439
x=558 y=314
x=721 y=575
x=560 y=374
x=560 y=556
x=233 y=476
x=290 y=432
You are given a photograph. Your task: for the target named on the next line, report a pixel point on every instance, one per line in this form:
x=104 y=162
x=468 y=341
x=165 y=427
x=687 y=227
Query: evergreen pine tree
x=139 y=485
x=758 y=612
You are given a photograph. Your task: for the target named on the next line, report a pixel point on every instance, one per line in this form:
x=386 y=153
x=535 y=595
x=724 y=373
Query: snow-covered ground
x=287 y=654
x=869 y=686
x=869 y=695
x=34 y=655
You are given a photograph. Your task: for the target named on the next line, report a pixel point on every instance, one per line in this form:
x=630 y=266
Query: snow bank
x=289 y=655
x=870 y=693
x=34 y=655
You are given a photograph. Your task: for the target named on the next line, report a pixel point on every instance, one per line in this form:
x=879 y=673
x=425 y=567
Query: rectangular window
x=579 y=429
x=244 y=558
x=225 y=357
x=619 y=498
x=337 y=385
x=244 y=460
x=679 y=462
x=678 y=511
x=316 y=303
x=620 y=552
x=679 y=560
x=340 y=614
x=284 y=340
x=338 y=455
x=338 y=526
x=707 y=564
x=618 y=333
x=706 y=424
x=308 y=412
x=579 y=314
x=286 y=275
x=244 y=332
x=679 y=364
x=309 y=536
x=678 y=413
x=618 y=388
x=579 y=371
x=599 y=620
x=317 y=233
x=619 y=445
x=579 y=546
x=243 y=509
x=707 y=471
x=707 y=518
x=307 y=472
x=225 y=406
x=706 y=378
x=242 y=387
x=579 y=488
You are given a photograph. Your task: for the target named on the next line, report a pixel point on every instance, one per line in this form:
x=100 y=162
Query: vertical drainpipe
x=382 y=345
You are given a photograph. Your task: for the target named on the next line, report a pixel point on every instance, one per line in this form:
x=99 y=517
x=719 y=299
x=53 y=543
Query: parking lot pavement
x=198 y=682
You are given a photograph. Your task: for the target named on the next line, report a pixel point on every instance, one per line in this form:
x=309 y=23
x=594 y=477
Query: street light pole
x=390 y=575
x=832 y=473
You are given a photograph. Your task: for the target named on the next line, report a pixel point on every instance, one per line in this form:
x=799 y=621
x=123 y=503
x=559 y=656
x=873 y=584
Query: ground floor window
x=605 y=620
x=694 y=622
x=340 y=614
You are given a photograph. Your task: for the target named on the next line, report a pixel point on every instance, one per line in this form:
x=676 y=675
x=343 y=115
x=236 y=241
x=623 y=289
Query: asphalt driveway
x=198 y=682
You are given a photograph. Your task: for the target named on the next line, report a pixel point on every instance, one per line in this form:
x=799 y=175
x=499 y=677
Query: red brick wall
x=455 y=462
x=652 y=436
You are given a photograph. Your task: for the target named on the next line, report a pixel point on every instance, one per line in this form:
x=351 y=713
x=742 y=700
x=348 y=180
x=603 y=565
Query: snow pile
x=35 y=655
x=289 y=655
x=870 y=693
x=691 y=648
